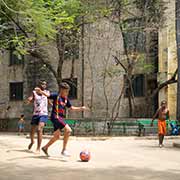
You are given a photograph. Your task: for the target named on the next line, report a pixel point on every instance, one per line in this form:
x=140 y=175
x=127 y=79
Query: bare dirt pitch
x=115 y=159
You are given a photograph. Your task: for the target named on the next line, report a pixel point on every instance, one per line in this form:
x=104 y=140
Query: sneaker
x=160 y=145
x=65 y=153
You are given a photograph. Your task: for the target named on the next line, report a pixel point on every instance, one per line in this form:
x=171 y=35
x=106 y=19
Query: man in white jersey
x=40 y=114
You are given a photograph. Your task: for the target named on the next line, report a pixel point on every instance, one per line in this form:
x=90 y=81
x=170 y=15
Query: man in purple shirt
x=60 y=103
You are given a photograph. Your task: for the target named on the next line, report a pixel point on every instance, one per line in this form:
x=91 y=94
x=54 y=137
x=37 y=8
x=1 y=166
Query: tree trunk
x=82 y=60
x=72 y=68
x=61 y=49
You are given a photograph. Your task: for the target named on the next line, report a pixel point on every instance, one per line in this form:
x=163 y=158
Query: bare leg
x=67 y=132
x=162 y=139
x=40 y=134
x=52 y=140
x=33 y=128
x=19 y=131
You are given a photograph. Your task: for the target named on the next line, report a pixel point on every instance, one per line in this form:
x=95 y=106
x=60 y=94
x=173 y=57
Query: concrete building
x=103 y=80
x=168 y=57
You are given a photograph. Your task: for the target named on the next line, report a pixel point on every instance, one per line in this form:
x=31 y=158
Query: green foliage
x=154 y=10
x=142 y=65
x=137 y=18
x=26 y=22
x=111 y=72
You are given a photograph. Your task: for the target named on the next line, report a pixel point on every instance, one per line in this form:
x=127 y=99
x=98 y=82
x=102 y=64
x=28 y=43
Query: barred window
x=138 y=85
x=16 y=91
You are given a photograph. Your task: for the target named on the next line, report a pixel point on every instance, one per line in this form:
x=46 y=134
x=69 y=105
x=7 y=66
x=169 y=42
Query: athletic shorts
x=36 y=119
x=162 y=127
x=58 y=123
x=21 y=126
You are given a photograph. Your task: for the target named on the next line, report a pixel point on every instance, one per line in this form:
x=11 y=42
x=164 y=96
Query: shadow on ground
x=10 y=171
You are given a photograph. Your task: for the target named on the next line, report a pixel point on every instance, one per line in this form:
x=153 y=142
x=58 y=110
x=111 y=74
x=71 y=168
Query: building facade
x=97 y=81
x=168 y=57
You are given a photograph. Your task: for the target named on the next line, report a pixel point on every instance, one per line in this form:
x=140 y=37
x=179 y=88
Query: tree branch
x=119 y=62
x=38 y=55
x=17 y=24
x=172 y=80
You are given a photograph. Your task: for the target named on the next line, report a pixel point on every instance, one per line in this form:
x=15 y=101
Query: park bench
x=49 y=126
x=123 y=128
x=145 y=126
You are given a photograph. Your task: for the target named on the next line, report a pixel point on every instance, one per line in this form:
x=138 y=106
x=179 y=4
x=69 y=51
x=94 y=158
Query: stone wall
x=103 y=79
x=9 y=74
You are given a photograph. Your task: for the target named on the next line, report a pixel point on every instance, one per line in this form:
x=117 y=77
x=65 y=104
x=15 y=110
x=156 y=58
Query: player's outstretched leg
x=67 y=132
x=33 y=129
x=55 y=137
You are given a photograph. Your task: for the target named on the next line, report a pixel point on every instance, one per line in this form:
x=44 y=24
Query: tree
x=29 y=25
x=139 y=25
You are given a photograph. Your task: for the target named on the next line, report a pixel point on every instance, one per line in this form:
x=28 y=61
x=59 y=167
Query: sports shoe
x=66 y=153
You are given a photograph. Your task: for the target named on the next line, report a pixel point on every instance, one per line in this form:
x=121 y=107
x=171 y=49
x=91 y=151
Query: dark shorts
x=58 y=123
x=37 y=119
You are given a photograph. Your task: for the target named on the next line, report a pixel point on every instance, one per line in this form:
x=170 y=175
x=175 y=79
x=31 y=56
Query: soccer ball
x=85 y=155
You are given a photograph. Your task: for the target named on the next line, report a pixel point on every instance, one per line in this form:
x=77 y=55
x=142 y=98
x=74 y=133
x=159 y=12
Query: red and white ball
x=85 y=155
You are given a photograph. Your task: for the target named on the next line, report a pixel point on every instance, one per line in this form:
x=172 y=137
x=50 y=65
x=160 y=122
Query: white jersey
x=40 y=104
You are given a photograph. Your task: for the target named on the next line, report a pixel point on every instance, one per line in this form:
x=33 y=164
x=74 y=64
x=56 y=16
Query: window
x=14 y=60
x=73 y=85
x=16 y=91
x=134 y=35
x=137 y=85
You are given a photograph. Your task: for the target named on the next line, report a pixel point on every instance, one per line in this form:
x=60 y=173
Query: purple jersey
x=59 y=105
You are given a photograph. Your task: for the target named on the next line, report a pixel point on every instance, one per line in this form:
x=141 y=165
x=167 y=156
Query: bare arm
x=155 y=115
x=38 y=90
x=50 y=102
x=29 y=99
x=83 y=108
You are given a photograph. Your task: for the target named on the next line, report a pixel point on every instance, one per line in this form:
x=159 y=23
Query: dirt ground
x=125 y=158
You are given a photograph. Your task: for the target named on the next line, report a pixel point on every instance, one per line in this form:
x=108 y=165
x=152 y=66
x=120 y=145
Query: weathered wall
x=103 y=40
x=103 y=79
x=168 y=58
x=9 y=74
